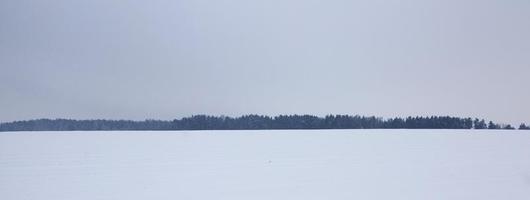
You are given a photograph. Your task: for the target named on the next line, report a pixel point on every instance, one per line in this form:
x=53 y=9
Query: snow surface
x=244 y=165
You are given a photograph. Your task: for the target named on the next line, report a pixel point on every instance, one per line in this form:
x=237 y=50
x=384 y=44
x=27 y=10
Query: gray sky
x=168 y=59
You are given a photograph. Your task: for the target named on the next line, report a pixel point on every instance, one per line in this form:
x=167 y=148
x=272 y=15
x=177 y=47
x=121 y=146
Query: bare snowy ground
x=243 y=165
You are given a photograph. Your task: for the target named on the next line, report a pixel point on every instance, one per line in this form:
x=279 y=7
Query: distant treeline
x=257 y=122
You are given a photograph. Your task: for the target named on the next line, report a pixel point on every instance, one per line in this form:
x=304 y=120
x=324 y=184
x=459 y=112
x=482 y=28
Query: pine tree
x=492 y=125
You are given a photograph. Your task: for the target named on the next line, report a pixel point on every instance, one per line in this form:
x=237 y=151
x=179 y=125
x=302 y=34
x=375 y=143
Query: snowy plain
x=282 y=164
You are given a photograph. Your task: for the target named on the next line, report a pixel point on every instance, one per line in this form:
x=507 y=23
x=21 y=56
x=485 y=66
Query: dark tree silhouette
x=492 y=125
x=256 y=122
x=479 y=124
x=508 y=127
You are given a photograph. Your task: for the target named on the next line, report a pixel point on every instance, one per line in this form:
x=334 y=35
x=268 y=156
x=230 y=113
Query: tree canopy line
x=258 y=122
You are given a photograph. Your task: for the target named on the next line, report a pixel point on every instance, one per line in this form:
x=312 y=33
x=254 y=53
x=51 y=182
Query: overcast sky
x=169 y=59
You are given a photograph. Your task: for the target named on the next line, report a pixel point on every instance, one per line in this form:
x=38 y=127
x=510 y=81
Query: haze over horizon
x=162 y=59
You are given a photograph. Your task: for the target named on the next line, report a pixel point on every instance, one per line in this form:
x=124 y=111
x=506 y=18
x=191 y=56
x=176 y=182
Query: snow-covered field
x=248 y=165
